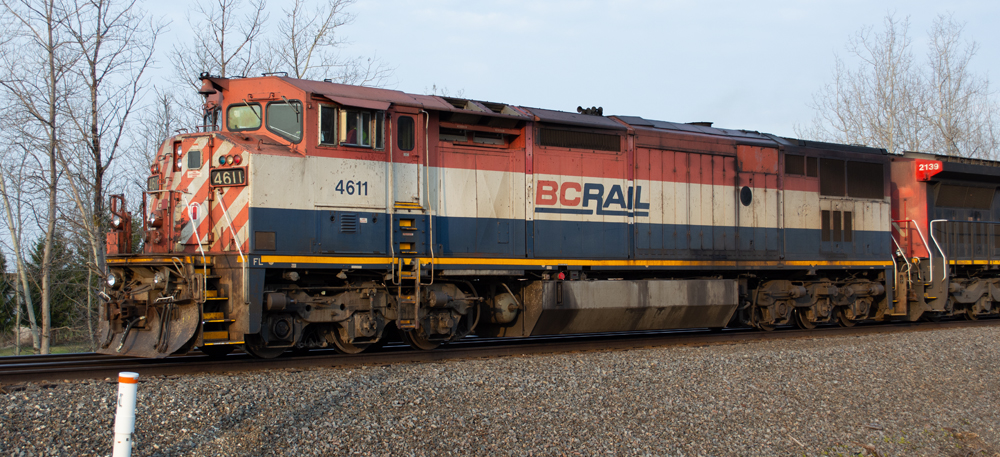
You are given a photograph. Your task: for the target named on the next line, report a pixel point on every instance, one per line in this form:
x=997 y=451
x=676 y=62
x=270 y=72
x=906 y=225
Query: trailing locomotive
x=310 y=214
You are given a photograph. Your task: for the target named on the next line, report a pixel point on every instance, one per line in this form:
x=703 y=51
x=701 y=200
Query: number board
x=222 y=177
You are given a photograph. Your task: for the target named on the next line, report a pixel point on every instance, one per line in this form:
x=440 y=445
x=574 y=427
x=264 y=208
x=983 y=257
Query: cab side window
x=362 y=128
x=327 y=125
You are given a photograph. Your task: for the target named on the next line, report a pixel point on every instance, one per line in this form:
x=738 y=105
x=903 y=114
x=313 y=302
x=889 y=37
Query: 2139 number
x=352 y=187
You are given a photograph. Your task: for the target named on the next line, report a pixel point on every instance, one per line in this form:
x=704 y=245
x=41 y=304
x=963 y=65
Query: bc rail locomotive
x=307 y=214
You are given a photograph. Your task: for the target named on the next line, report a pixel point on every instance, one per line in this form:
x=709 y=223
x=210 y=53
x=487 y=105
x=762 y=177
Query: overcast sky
x=741 y=64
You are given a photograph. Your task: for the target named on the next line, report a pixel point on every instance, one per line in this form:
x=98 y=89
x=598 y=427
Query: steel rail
x=108 y=366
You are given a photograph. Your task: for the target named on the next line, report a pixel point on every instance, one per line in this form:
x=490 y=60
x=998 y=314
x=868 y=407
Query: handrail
x=201 y=248
x=944 y=256
x=895 y=267
x=930 y=253
x=239 y=247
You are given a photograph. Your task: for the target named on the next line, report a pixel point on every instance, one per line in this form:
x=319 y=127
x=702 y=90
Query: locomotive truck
x=305 y=214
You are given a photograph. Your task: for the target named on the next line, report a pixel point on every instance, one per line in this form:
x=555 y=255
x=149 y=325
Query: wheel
x=843 y=319
x=970 y=314
x=338 y=338
x=256 y=348
x=803 y=321
x=417 y=340
x=765 y=327
x=217 y=352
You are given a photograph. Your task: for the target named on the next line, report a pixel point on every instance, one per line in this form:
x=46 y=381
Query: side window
x=405 y=133
x=362 y=128
x=285 y=119
x=244 y=116
x=327 y=125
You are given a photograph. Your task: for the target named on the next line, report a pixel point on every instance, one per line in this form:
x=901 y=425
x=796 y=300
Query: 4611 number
x=229 y=177
x=352 y=187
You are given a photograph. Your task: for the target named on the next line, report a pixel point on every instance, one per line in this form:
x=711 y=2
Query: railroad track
x=35 y=368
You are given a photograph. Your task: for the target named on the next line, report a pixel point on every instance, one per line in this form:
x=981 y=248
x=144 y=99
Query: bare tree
x=15 y=224
x=116 y=47
x=889 y=100
x=307 y=38
x=225 y=42
x=308 y=46
x=960 y=111
x=159 y=120
x=36 y=78
x=873 y=103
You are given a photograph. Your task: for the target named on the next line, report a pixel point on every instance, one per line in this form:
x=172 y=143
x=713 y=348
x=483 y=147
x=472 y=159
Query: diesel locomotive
x=305 y=214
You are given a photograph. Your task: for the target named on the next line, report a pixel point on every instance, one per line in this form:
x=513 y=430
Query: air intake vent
x=579 y=140
x=348 y=223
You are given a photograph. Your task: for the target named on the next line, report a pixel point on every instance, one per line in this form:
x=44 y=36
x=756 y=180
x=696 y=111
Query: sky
x=740 y=64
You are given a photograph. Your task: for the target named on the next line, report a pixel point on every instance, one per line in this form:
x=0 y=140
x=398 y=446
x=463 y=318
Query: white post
x=125 y=416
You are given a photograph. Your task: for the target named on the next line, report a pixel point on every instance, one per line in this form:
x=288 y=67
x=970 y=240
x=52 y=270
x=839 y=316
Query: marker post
x=125 y=415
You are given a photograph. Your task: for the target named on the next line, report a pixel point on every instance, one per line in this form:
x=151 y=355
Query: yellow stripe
x=568 y=262
x=974 y=262
x=164 y=259
x=337 y=260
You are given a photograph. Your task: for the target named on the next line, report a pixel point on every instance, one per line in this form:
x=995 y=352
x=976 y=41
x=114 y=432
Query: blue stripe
x=304 y=232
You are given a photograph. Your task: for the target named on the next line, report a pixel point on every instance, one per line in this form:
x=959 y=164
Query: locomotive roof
x=962 y=168
x=378 y=98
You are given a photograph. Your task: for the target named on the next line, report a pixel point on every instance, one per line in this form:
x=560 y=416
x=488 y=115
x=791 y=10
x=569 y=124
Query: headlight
x=116 y=222
x=158 y=278
x=112 y=280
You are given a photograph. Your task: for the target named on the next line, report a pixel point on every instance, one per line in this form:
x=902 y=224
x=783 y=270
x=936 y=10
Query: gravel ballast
x=933 y=393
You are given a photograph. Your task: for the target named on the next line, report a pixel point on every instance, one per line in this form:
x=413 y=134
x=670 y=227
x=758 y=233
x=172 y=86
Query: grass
x=68 y=348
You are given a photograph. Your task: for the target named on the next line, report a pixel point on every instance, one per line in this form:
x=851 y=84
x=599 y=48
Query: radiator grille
x=348 y=223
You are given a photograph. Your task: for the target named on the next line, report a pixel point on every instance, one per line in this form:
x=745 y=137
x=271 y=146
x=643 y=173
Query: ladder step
x=407 y=312
x=218 y=321
x=217 y=335
x=208 y=316
x=216 y=298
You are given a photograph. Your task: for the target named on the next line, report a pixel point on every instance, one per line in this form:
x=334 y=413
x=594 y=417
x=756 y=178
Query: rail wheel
x=338 y=338
x=970 y=314
x=217 y=352
x=803 y=321
x=417 y=340
x=256 y=348
x=758 y=315
x=843 y=319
